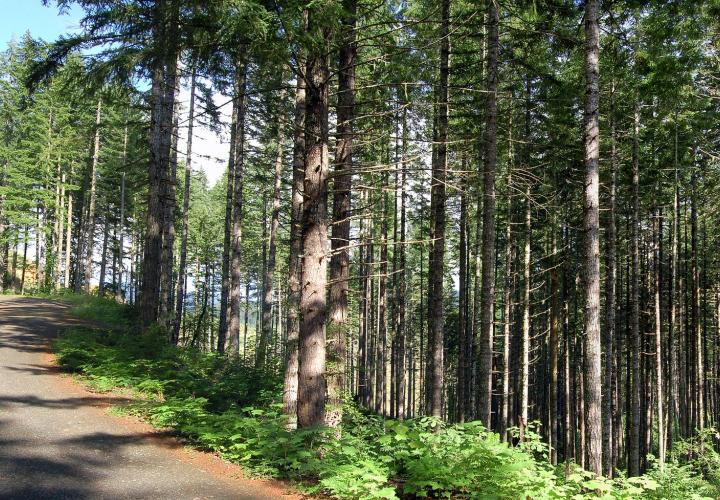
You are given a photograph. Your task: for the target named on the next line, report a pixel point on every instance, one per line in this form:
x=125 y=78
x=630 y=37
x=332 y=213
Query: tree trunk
x=182 y=266
x=119 y=291
x=90 y=237
x=610 y=292
x=235 y=295
x=342 y=187
x=68 y=236
x=436 y=339
x=634 y=431
x=485 y=356
x=464 y=340
x=266 y=334
x=294 y=265
x=164 y=73
x=592 y=359
x=313 y=300
x=103 y=259
x=167 y=230
x=660 y=397
x=699 y=368
x=24 y=260
x=525 y=340
x=402 y=409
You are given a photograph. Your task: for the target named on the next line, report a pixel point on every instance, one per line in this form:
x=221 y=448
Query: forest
x=458 y=248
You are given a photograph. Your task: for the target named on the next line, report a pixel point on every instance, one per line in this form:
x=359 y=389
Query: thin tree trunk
x=660 y=397
x=634 y=423
x=272 y=243
x=610 y=293
x=59 y=233
x=119 y=291
x=182 y=265
x=103 y=259
x=485 y=356
x=464 y=340
x=674 y=325
x=68 y=237
x=24 y=261
x=525 y=340
x=698 y=368
x=340 y=241
x=294 y=265
x=90 y=238
x=403 y=410
x=235 y=295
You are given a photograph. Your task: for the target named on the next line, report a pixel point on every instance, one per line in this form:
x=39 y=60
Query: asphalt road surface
x=57 y=442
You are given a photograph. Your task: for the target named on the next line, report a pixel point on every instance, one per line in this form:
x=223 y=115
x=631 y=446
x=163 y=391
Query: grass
x=230 y=408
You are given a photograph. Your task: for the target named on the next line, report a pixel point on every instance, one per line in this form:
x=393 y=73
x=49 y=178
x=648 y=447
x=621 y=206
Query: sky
x=19 y=16
x=210 y=150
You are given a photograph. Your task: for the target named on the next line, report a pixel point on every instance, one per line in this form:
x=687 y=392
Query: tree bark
x=182 y=265
x=436 y=339
x=294 y=265
x=90 y=237
x=164 y=73
x=266 y=334
x=634 y=421
x=313 y=300
x=610 y=305
x=342 y=187
x=525 y=340
x=235 y=295
x=485 y=356
x=103 y=259
x=592 y=359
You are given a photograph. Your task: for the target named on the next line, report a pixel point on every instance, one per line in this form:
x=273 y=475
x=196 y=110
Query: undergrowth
x=228 y=407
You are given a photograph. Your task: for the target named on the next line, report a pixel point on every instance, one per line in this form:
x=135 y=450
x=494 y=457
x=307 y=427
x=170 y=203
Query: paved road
x=55 y=443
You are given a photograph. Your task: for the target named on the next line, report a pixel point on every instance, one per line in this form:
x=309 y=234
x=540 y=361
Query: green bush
x=235 y=410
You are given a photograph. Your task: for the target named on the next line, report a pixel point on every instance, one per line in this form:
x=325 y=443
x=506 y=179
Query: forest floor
x=57 y=439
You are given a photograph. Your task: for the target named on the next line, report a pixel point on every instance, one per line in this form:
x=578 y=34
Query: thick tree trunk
x=167 y=230
x=485 y=355
x=436 y=339
x=592 y=359
x=164 y=73
x=313 y=300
